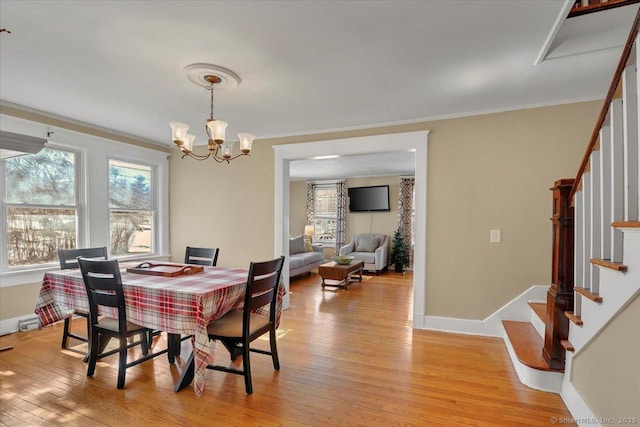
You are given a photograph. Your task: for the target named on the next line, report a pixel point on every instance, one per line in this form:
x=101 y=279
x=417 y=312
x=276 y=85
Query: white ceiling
x=306 y=66
x=364 y=165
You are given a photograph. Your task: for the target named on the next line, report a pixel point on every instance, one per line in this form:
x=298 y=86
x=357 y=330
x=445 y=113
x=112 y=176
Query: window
x=40 y=206
x=76 y=193
x=325 y=214
x=131 y=208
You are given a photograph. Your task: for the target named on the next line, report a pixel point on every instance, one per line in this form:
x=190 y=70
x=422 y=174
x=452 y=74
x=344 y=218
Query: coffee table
x=339 y=275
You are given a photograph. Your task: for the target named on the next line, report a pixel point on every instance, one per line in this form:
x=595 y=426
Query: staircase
x=583 y=7
x=596 y=265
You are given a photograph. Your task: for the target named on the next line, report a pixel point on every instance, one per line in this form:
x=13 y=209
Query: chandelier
x=210 y=77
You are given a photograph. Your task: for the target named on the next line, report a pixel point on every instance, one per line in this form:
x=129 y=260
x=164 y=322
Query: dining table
x=179 y=305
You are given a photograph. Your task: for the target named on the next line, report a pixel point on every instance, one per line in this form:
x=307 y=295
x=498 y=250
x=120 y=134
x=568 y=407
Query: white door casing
x=417 y=141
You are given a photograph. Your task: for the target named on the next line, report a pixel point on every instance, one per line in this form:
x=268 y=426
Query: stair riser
x=536 y=379
x=537 y=323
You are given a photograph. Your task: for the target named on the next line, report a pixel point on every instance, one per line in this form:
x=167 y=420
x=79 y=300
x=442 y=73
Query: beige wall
x=375 y=222
x=607 y=373
x=17 y=301
x=485 y=172
x=360 y=222
x=229 y=206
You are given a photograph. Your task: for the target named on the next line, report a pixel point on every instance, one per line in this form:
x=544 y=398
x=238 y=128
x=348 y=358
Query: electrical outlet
x=494 y=236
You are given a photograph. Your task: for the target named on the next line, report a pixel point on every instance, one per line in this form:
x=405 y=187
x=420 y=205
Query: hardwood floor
x=347 y=358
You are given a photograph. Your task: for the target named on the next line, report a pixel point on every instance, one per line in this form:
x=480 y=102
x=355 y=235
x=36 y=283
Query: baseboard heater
x=28 y=324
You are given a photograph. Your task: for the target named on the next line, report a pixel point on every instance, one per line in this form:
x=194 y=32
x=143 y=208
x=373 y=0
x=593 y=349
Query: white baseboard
x=9 y=326
x=451 y=324
x=516 y=309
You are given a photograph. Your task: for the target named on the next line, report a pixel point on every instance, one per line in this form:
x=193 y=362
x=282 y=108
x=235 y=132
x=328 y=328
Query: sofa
x=372 y=248
x=303 y=256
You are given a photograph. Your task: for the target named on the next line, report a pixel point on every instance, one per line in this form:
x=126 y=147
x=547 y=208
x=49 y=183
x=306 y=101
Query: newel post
x=560 y=294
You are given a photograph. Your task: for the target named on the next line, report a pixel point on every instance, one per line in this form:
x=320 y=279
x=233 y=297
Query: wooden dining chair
x=68 y=259
x=237 y=329
x=103 y=283
x=201 y=256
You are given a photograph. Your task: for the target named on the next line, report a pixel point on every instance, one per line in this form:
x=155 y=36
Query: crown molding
x=26 y=113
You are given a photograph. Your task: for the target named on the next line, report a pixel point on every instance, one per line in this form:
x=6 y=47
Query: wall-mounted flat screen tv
x=369 y=199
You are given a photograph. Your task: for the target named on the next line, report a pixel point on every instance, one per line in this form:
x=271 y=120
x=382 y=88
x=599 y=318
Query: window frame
x=324 y=186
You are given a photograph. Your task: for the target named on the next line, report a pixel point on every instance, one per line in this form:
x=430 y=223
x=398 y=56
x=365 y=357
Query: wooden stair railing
x=583 y=7
x=617 y=76
x=560 y=297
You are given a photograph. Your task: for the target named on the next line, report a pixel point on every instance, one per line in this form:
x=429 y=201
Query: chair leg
x=122 y=362
x=93 y=354
x=173 y=344
x=145 y=344
x=246 y=366
x=65 y=333
x=274 y=349
x=88 y=321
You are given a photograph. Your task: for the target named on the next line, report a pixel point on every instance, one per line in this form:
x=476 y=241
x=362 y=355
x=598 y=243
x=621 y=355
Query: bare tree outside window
x=40 y=206
x=131 y=208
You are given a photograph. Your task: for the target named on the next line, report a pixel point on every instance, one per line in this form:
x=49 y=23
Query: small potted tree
x=399 y=252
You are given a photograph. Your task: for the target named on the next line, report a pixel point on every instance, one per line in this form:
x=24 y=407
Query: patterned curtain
x=311 y=202
x=405 y=212
x=341 y=214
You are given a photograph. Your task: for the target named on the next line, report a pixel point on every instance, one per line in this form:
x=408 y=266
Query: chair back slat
x=103 y=283
x=260 y=300
x=262 y=288
x=68 y=257
x=258 y=269
x=264 y=283
x=201 y=256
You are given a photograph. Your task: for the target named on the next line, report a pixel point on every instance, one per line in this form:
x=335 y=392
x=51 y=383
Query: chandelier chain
x=211 y=89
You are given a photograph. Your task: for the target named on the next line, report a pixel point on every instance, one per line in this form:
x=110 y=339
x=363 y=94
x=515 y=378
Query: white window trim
x=93 y=155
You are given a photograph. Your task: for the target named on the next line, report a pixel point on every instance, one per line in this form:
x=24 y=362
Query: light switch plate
x=495 y=236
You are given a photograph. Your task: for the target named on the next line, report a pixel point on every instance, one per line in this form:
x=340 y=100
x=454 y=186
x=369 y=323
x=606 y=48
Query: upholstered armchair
x=372 y=248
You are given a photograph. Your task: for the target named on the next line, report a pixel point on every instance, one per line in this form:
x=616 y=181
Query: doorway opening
x=417 y=141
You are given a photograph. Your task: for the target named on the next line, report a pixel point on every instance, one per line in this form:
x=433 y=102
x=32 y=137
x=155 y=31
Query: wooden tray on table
x=166 y=270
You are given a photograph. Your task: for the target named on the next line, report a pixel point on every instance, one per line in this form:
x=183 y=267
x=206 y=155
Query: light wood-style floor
x=347 y=358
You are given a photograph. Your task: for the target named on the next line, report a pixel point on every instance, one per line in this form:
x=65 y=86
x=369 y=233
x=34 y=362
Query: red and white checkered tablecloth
x=180 y=305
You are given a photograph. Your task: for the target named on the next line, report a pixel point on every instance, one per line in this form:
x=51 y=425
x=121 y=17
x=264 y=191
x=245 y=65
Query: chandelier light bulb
x=217 y=129
x=178 y=132
x=187 y=147
x=227 y=149
x=246 y=140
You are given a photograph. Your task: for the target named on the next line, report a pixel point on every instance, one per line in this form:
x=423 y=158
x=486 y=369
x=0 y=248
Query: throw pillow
x=296 y=245
x=367 y=243
x=307 y=246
